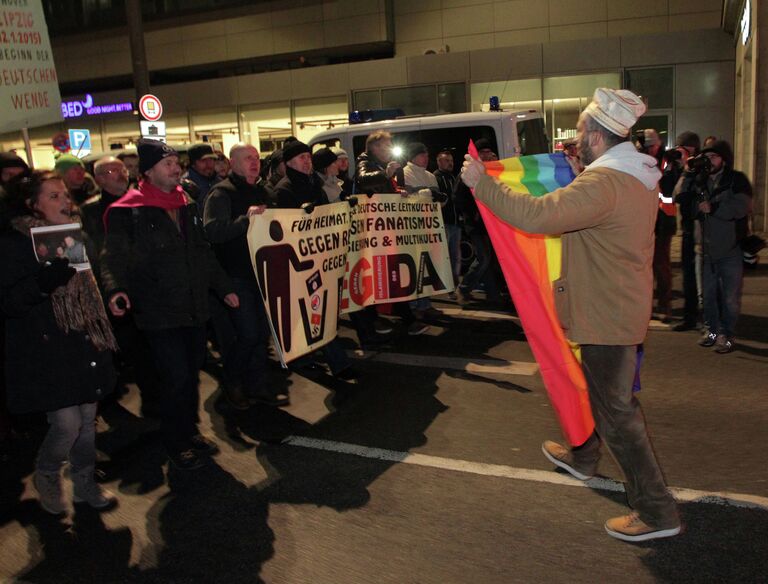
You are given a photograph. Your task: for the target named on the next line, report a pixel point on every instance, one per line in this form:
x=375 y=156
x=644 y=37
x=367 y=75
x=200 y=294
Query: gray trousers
x=71 y=436
x=619 y=422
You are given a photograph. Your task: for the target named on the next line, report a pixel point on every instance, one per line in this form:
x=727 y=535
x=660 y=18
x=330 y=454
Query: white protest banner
x=29 y=87
x=299 y=260
x=398 y=251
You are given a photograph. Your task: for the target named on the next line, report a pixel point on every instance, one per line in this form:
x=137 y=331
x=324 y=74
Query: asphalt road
x=428 y=471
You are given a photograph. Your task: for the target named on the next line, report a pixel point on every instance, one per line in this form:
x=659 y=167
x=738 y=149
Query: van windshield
x=533 y=137
x=453 y=139
x=334 y=142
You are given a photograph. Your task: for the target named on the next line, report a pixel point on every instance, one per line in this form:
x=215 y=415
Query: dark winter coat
x=297 y=188
x=371 y=176
x=84 y=192
x=203 y=184
x=226 y=221
x=165 y=270
x=467 y=207
x=92 y=215
x=446 y=182
x=347 y=185
x=46 y=369
x=721 y=231
x=666 y=225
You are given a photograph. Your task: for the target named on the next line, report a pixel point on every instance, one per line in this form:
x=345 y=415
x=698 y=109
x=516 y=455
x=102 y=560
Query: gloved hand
x=348 y=198
x=438 y=197
x=53 y=274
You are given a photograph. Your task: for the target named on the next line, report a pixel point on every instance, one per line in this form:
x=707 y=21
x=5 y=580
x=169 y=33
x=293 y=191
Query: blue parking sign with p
x=80 y=142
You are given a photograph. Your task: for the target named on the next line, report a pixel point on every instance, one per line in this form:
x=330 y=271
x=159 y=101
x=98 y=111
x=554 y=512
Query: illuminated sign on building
x=746 y=22
x=75 y=109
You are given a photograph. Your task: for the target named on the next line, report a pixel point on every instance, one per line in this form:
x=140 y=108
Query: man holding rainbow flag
x=602 y=297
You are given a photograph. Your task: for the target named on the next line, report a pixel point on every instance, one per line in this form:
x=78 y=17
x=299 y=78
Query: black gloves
x=438 y=197
x=53 y=274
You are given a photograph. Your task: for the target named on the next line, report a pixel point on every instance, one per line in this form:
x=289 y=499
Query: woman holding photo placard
x=58 y=340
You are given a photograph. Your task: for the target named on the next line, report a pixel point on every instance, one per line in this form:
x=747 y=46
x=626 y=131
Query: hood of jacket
x=625 y=158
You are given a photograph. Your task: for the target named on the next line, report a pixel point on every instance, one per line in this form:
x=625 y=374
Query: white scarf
x=418 y=177
x=332 y=187
x=625 y=158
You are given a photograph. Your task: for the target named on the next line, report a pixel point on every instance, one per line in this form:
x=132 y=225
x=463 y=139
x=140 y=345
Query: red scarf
x=148 y=195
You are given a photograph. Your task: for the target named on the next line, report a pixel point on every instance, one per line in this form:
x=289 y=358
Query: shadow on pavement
x=212 y=527
x=385 y=414
x=260 y=423
x=720 y=544
x=383 y=411
x=752 y=328
x=501 y=384
x=81 y=551
x=209 y=528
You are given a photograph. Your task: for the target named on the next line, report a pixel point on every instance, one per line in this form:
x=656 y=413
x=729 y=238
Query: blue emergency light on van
x=374 y=115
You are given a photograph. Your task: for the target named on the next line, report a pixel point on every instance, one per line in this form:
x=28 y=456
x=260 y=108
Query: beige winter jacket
x=606 y=218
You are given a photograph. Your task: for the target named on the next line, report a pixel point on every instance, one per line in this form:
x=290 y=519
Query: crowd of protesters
x=172 y=276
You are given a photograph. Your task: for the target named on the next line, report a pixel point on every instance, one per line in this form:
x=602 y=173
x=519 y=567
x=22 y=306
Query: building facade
x=261 y=71
x=749 y=21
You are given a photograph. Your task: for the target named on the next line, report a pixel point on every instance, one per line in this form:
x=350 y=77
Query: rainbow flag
x=530 y=264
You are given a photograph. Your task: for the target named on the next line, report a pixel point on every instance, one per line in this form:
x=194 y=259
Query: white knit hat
x=616 y=109
x=339 y=152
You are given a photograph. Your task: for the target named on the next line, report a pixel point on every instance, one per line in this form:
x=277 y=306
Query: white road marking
x=480 y=314
x=497 y=367
x=653 y=324
x=521 y=474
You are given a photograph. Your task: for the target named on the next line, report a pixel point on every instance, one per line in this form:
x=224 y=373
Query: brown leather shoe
x=632 y=528
x=562 y=457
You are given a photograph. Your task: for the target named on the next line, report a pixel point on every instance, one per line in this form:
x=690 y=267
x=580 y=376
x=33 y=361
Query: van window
x=327 y=142
x=533 y=137
x=358 y=145
x=399 y=140
x=456 y=139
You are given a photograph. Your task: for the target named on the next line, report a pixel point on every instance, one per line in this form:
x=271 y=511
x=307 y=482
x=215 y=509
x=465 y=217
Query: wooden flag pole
x=28 y=147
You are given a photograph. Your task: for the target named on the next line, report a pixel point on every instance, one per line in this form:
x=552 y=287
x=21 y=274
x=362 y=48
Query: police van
x=511 y=133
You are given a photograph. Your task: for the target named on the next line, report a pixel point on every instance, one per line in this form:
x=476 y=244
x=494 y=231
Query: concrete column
x=138 y=52
x=760 y=83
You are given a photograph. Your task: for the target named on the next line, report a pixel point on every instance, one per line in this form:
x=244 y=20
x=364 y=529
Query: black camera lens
x=701 y=164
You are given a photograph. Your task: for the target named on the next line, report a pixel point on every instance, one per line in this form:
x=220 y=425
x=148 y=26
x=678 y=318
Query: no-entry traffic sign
x=150 y=108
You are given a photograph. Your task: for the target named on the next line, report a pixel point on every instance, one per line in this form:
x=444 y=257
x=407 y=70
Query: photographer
x=378 y=172
x=719 y=198
x=649 y=142
x=687 y=145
